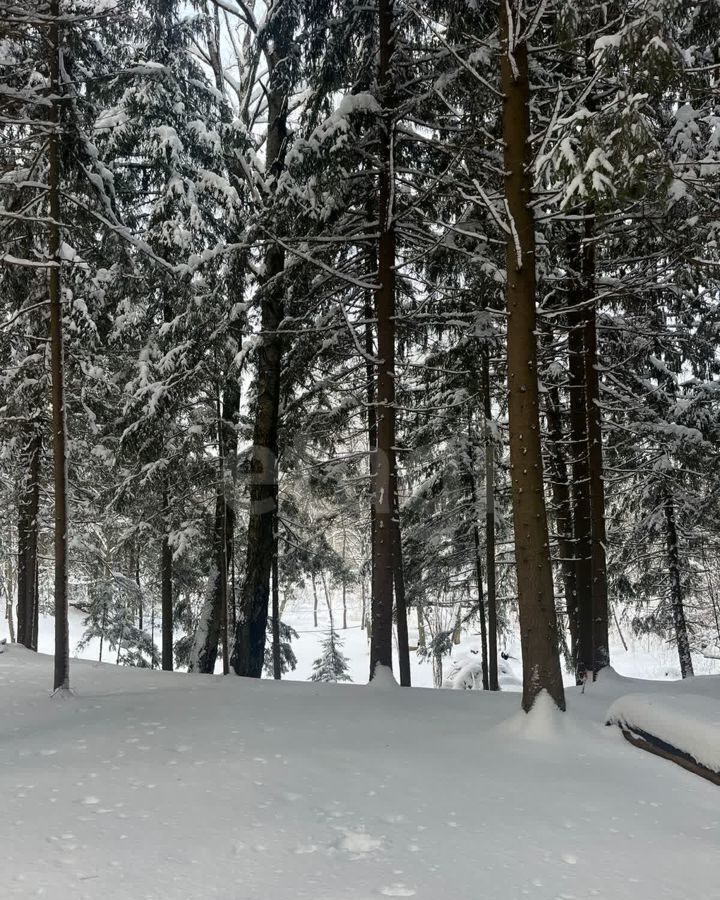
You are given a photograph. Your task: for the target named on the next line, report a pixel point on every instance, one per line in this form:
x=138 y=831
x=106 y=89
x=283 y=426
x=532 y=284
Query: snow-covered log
x=683 y=729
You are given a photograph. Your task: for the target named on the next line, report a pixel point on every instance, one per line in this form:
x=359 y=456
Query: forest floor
x=159 y=786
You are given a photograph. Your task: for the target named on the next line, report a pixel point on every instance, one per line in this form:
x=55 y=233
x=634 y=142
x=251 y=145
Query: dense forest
x=417 y=301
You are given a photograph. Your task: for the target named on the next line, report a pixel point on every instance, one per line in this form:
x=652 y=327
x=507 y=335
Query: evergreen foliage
x=333 y=665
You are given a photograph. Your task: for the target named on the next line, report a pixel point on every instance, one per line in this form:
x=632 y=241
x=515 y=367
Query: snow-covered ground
x=158 y=786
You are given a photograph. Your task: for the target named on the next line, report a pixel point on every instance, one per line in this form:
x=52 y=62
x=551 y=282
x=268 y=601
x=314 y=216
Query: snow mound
x=544 y=722
x=383 y=678
x=690 y=722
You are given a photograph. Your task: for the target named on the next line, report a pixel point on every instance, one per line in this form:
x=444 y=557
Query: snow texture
x=167 y=786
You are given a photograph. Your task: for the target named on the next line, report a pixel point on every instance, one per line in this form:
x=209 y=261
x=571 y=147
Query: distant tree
x=333 y=665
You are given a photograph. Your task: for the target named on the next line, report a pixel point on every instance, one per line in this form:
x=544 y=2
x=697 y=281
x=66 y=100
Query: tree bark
x=383 y=575
x=62 y=640
x=277 y=668
x=422 y=640
x=478 y=559
x=582 y=508
x=136 y=574
x=676 y=596
x=563 y=513
x=481 y=609
x=249 y=649
x=538 y=624
x=344 y=584
x=371 y=430
x=598 y=563
x=214 y=617
x=166 y=583
x=493 y=684
x=27 y=544
x=401 y=621
x=315 y=600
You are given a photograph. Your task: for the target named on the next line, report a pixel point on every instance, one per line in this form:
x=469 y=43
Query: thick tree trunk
x=249 y=649
x=563 y=513
x=62 y=640
x=493 y=684
x=676 y=597
x=166 y=583
x=538 y=624
x=382 y=591
x=598 y=564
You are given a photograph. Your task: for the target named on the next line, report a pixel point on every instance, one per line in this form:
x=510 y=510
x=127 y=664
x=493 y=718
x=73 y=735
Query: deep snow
x=162 y=786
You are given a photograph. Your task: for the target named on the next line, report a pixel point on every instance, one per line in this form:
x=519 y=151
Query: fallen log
x=652 y=744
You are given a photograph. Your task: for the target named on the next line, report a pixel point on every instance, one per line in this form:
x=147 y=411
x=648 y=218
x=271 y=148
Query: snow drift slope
x=171 y=787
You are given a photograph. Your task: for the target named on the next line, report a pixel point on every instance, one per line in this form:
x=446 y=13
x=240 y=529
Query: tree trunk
x=598 y=564
x=676 y=597
x=382 y=591
x=249 y=649
x=490 y=527
x=538 y=623
x=136 y=559
x=27 y=608
x=371 y=429
x=481 y=598
x=62 y=640
x=10 y=588
x=582 y=511
x=213 y=625
x=35 y=619
x=344 y=585
x=422 y=640
x=364 y=602
x=277 y=668
x=478 y=560
x=166 y=586
x=315 y=600
x=563 y=513
x=401 y=621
